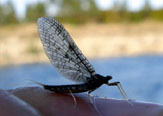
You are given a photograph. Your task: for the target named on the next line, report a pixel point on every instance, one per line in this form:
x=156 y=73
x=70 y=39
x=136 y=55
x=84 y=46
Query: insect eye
x=109 y=77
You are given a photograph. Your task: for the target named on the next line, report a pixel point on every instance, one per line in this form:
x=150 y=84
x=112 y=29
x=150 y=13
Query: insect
x=69 y=60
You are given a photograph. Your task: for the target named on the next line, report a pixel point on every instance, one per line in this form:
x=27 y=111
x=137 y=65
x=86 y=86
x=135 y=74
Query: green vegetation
x=34 y=11
x=81 y=11
x=7 y=14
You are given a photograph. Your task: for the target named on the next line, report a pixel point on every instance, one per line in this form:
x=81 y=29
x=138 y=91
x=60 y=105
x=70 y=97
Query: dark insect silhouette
x=69 y=60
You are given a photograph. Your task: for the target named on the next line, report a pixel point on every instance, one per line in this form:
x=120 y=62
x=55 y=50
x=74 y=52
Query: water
x=141 y=77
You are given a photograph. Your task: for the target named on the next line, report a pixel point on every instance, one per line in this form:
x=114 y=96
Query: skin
x=42 y=102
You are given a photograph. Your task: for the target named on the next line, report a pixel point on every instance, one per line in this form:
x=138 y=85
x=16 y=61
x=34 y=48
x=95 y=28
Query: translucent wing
x=63 y=52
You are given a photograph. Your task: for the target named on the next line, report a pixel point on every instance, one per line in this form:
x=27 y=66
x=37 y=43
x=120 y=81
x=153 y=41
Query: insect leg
x=118 y=84
x=73 y=99
x=89 y=96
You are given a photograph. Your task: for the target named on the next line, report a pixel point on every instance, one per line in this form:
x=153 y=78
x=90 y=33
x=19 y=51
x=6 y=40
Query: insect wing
x=63 y=52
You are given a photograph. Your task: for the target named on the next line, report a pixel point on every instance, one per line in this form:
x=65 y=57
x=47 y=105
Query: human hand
x=42 y=102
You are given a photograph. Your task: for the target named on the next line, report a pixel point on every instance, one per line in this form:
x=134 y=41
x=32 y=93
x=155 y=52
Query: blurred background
x=122 y=38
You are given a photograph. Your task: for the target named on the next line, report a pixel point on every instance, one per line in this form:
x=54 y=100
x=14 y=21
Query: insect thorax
x=97 y=78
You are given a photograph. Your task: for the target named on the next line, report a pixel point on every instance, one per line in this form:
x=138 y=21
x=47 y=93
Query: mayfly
x=69 y=60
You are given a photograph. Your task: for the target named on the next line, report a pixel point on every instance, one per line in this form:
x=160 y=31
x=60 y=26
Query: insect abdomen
x=68 y=88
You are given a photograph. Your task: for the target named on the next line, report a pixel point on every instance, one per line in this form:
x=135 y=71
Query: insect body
x=92 y=84
x=69 y=60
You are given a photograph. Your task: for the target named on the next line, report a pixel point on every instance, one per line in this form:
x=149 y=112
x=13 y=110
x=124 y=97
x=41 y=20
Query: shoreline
x=46 y=61
x=21 y=44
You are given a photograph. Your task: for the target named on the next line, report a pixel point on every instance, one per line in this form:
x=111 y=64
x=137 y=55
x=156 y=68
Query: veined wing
x=63 y=52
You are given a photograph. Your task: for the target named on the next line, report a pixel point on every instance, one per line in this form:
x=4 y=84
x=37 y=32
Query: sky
x=133 y=5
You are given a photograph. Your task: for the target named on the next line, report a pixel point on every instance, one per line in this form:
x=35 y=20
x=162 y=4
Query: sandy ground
x=21 y=43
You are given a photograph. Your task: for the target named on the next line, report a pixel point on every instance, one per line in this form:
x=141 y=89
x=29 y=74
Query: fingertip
x=11 y=105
